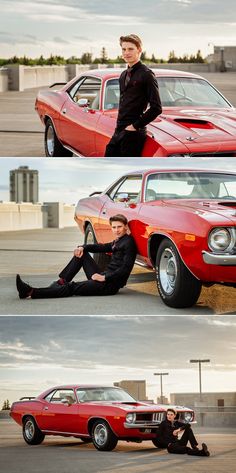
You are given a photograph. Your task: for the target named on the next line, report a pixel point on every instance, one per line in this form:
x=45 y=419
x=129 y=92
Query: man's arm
x=154 y=101
x=98 y=247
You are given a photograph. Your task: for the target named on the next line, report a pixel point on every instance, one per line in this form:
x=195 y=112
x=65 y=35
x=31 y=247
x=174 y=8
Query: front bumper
x=219 y=259
x=142 y=425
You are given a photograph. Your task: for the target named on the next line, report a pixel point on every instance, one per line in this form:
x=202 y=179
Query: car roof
x=77 y=386
x=108 y=72
x=178 y=170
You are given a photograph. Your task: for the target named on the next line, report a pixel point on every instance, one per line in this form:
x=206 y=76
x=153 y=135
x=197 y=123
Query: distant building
x=162 y=400
x=24 y=185
x=136 y=388
x=224 y=58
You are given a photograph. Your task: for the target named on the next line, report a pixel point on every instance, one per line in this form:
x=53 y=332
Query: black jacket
x=141 y=91
x=166 y=429
x=122 y=259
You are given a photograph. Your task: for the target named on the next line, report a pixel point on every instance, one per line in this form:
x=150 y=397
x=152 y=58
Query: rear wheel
x=176 y=284
x=102 y=436
x=101 y=259
x=31 y=433
x=53 y=147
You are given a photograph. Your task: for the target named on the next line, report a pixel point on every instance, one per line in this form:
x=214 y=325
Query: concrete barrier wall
x=3 y=79
x=23 y=216
x=27 y=77
x=27 y=216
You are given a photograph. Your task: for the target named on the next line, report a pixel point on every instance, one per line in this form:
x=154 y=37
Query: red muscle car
x=183 y=222
x=80 y=117
x=99 y=414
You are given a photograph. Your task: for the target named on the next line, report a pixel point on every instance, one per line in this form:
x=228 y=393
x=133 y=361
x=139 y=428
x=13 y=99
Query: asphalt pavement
x=69 y=455
x=39 y=255
x=21 y=132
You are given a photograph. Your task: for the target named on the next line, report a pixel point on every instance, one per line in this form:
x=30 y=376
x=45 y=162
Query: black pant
x=126 y=144
x=84 y=288
x=180 y=446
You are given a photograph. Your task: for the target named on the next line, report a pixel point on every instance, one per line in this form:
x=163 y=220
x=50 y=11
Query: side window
x=112 y=94
x=60 y=394
x=88 y=88
x=129 y=190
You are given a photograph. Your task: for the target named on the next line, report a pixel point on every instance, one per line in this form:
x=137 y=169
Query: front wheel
x=102 y=436
x=52 y=146
x=177 y=286
x=101 y=259
x=31 y=433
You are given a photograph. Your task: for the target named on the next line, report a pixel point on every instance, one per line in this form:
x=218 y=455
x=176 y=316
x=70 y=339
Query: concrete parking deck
x=21 y=132
x=38 y=255
x=68 y=455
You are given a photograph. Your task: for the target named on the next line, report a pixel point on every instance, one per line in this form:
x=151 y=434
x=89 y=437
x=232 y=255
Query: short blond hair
x=131 y=38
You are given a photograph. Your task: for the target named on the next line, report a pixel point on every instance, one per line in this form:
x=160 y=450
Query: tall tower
x=24 y=186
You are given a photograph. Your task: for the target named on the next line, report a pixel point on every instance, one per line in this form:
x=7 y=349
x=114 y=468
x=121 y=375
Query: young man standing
x=168 y=432
x=138 y=90
x=100 y=283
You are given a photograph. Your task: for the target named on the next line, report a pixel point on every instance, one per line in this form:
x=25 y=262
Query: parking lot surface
x=39 y=255
x=69 y=455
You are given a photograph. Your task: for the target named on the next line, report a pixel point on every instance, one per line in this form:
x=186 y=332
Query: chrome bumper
x=142 y=425
x=221 y=260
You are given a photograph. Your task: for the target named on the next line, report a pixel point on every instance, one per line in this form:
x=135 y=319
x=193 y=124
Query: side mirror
x=83 y=103
x=122 y=197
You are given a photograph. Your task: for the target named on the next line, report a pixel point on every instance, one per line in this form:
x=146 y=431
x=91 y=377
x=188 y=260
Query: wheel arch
x=24 y=417
x=153 y=244
x=92 y=421
x=88 y=222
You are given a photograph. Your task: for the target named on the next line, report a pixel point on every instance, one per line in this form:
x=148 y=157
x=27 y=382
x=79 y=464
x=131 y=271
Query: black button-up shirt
x=166 y=429
x=141 y=91
x=122 y=259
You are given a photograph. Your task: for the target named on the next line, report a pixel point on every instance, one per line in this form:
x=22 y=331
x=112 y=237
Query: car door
x=123 y=198
x=59 y=416
x=78 y=119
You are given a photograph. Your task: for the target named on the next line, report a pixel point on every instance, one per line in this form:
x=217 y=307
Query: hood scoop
x=196 y=124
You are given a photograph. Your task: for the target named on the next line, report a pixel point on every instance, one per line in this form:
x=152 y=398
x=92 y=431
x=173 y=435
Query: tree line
x=87 y=58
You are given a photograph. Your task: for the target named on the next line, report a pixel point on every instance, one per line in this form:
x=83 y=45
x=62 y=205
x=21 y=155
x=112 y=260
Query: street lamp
x=200 y=373
x=161 y=374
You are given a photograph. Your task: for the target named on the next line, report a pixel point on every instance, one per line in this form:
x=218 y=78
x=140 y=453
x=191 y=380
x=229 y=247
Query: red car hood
x=212 y=210
x=197 y=126
x=130 y=407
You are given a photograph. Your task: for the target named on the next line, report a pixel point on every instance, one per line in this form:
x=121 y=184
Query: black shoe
x=205 y=450
x=23 y=288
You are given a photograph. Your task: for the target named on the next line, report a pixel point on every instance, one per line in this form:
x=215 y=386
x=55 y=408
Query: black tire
x=85 y=439
x=101 y=259
x=53 y=147
x=31 y=433
x=102 y=436
x=177 y=286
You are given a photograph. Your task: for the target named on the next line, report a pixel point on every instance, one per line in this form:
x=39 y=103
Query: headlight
x=131 y=418
x=219 y=239
x=188 y=416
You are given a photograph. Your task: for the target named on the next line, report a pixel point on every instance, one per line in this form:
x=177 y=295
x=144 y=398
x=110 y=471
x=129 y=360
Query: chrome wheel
x=50 y=140
x=168 y=271
x=29 y=429
x=100 y=435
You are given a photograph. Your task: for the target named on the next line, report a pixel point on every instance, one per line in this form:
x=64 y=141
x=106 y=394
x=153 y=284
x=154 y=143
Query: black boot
x=23 y=288
x=205 y=451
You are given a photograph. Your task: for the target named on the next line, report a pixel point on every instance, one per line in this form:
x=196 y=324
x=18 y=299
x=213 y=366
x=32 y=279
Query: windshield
x=103 y=394
x=190 y=185
x=174 y=92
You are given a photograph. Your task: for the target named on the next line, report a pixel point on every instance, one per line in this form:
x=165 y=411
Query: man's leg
x=75 y=264
x=132 y=143
x=188 y=436
x=83 y=288
x=113 y=147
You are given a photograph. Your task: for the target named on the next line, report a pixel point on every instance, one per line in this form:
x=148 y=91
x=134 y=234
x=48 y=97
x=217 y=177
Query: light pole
x=161 y=374
x=200 y=373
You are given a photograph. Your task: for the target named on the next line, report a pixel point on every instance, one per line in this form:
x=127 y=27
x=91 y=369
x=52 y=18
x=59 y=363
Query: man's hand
x=130 y=128
x=98 y=277
x=78 y=252
x=176 y=432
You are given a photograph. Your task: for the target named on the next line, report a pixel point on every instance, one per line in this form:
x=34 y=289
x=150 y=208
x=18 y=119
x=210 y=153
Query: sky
x=76 y=26
x=37 y=353
x=68 y=180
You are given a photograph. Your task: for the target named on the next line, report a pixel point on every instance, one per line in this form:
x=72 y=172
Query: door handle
x=64 y=111
x=104 y=211
x=45 y=408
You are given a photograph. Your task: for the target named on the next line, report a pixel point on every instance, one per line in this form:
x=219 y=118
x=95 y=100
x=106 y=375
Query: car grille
x=149 y=417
